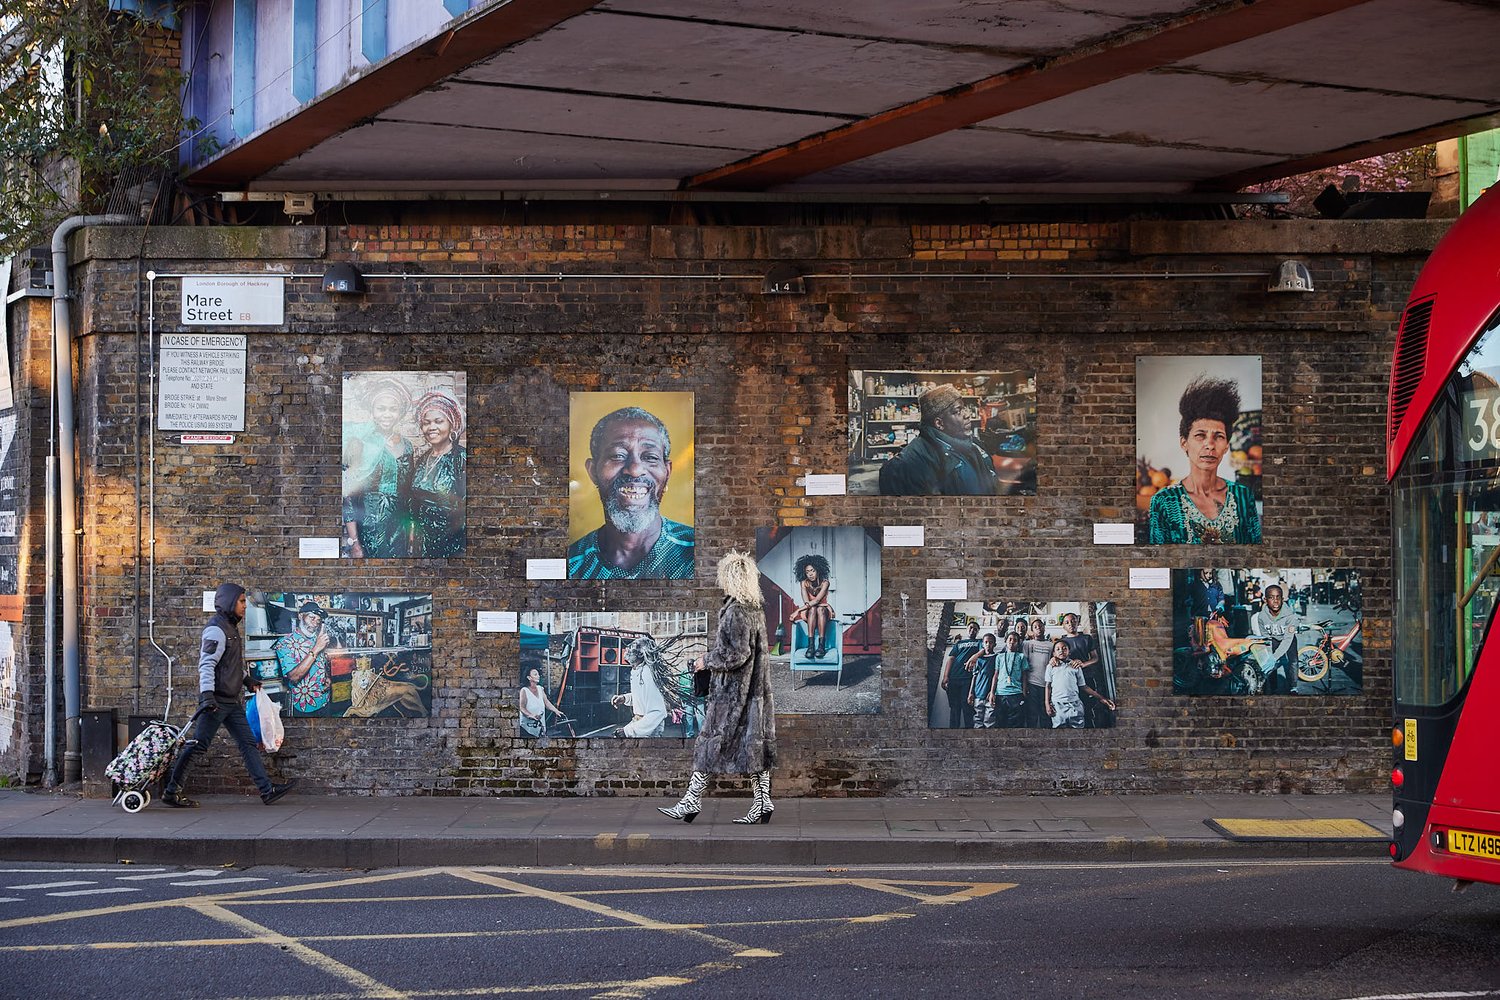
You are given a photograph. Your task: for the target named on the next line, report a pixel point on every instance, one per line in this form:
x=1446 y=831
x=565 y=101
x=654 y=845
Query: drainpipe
x=64 y=503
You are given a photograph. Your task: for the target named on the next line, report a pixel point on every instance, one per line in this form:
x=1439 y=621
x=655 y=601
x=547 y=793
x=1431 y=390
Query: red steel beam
x=386 y=85
x=1122 y=55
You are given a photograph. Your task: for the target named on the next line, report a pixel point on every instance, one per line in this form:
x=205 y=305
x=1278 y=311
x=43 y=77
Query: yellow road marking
x=757 y=953
x=882 y=886
x=440 y=935
x=880 y=918
x=980 y=889
x=457 y=896
x=367 y=985
x=590 y=906
x=215 y=897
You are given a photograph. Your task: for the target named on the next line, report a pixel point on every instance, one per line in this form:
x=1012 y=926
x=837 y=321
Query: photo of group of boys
x=1267 y=631
x=343 y=655
x=1021 y=665
x=821 y=589
x=616 y=674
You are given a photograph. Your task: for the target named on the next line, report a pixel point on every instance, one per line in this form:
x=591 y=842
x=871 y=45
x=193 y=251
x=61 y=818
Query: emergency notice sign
x=202 y=378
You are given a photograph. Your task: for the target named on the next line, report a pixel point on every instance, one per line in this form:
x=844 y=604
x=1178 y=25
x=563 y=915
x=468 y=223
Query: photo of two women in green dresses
x=404 y=480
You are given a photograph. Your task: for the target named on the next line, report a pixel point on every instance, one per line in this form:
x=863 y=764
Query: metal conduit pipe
x=64 y=504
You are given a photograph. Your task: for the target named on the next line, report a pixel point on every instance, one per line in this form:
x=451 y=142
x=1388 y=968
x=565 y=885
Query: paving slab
x=313 y=831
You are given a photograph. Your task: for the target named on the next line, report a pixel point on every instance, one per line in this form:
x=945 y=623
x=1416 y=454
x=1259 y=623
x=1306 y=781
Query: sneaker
x=177 y=799
x=277 y=791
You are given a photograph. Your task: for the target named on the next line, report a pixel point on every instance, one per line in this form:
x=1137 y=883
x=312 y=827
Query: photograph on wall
x=343 y=655
x=821 y=588
x=929 y=433
x=405 y=441
x=1198 y=450
x=617 y=674
x=630 y=486
x=1267 y=631
x=1021 y=665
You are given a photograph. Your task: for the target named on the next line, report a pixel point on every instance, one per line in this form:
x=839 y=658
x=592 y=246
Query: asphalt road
x=1298 y=930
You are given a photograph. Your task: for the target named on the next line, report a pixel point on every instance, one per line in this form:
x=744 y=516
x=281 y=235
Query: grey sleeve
x=214 y=642
x=731 y=648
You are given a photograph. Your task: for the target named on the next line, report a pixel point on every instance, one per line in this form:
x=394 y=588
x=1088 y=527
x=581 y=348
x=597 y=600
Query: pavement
x=318 y=831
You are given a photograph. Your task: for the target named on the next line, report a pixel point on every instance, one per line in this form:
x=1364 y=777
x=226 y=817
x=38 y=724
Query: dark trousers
x=1010 y=711
x=230 y=715
x=960 y=712
x=1036 y=707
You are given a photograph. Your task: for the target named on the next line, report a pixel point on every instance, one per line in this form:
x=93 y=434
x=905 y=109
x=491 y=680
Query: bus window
x=1447 y=520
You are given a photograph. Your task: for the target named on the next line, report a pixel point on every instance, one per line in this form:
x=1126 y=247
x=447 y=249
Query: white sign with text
x=233 y=300
x=202 y=379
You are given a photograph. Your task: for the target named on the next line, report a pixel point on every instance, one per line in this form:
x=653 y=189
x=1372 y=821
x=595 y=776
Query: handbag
x=700 y=683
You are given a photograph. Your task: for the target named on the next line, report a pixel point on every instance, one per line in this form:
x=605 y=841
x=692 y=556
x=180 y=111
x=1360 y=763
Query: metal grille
x=1411 y=352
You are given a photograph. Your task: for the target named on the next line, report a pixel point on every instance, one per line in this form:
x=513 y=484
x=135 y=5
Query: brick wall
x=769 y=374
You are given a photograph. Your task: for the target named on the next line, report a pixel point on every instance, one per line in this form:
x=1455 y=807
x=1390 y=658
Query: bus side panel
x=1468 y=791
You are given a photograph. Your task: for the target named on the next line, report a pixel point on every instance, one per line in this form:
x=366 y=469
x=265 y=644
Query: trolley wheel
x=147 y=793
x=134 y=802
x=1312 y=665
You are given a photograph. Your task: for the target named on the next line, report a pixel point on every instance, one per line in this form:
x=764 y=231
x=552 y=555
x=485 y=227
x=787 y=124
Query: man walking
x=221 y=684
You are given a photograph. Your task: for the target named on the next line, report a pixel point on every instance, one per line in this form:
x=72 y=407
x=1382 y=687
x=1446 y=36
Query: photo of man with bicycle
x=1268 y=632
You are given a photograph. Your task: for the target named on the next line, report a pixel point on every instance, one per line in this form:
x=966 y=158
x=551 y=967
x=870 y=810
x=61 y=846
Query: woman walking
x=739 y=725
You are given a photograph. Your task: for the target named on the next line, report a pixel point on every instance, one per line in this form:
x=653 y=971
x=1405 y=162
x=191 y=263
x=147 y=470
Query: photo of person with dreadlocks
x=618 y=674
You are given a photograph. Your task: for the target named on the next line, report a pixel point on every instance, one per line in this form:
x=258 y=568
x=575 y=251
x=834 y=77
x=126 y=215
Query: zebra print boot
x=688 y=807
x=760 y=807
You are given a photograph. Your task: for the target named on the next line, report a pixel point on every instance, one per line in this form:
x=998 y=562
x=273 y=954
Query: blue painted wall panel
x=372 y=30
x=305 y=50
x=244 y=67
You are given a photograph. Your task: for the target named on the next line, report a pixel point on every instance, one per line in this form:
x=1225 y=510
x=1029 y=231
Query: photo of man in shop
x=943 y=459
x=302 y=661
x=630 y=465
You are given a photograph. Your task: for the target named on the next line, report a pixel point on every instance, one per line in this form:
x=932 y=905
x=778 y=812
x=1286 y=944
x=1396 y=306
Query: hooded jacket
x=938 y=464
x=221 y=657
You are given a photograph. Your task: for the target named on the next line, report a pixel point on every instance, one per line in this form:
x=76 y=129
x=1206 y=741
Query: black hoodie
x=221 y=659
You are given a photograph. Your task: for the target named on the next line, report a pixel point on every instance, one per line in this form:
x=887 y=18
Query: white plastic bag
x=272 y=732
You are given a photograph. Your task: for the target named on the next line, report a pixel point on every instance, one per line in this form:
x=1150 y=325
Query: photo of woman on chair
x=815 y=612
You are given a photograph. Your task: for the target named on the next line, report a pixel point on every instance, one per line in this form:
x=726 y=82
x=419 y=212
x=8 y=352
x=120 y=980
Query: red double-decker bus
x=1443 y=461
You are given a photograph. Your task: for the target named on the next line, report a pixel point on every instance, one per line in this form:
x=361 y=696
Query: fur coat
x=739 y=727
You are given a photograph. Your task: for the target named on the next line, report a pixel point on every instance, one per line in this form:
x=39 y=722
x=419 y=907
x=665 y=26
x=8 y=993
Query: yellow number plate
x=1476 y=845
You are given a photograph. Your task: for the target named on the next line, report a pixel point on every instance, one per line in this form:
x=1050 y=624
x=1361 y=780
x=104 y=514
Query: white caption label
x=1114 y=534
x=317 y=548
x=495 y=621
x=825 y=485
x=909 y=535
x=1150 y=578
x=947 y=590
x=546 y=569
x=208 y=601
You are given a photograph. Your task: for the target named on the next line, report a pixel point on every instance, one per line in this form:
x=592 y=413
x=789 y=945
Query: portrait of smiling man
x=630 y=468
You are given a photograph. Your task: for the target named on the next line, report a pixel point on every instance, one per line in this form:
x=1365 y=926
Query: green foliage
x=84 y=96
